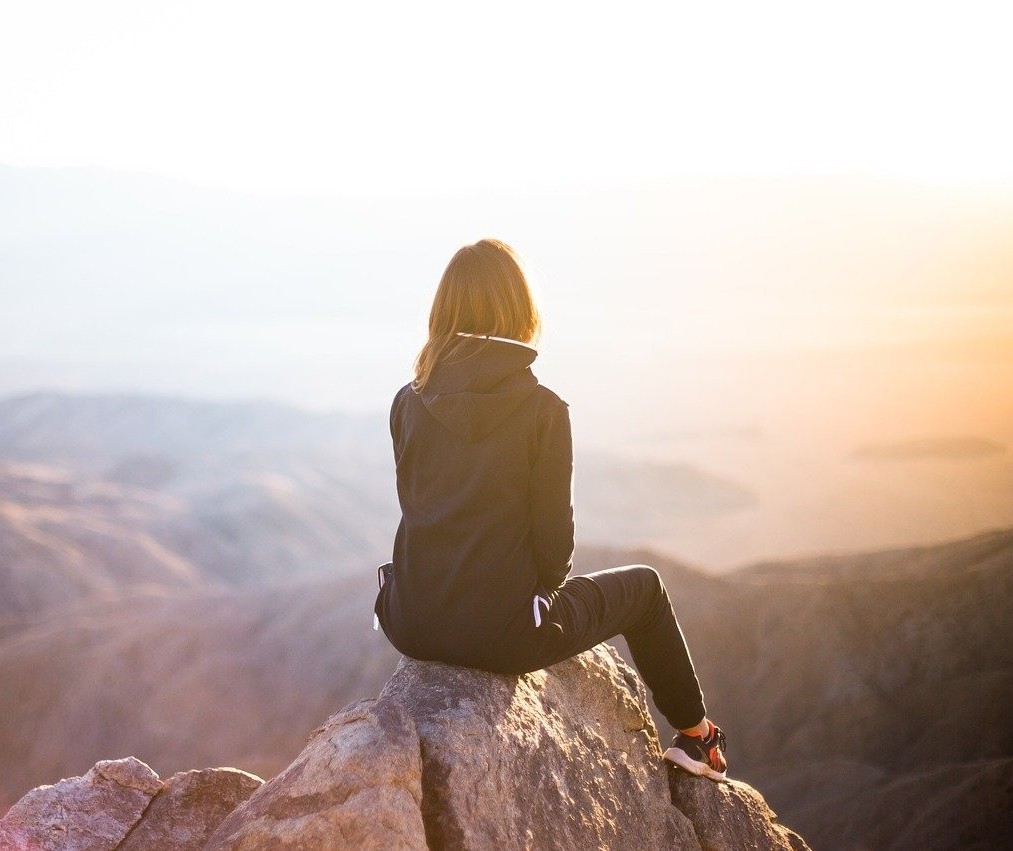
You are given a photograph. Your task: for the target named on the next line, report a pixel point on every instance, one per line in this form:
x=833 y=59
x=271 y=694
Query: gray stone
x=357 y=784
x=444 y=758
x=563 y=758
x=455 y=758
x=90 y=813
x=725 y=815
x=191 y=804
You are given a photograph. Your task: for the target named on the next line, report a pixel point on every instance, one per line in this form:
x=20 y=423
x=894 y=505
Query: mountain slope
x=64 y=537
x=847 y=687
x=184 y=679
x=252 y=492
x=867 y=695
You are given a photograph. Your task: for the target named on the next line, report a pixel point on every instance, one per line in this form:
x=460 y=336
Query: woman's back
x=483 y=475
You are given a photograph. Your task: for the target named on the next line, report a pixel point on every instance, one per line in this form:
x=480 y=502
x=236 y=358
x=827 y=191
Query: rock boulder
x=357 y=784
x=452 y=757
x=90 y=813
x=122 y=804
x=189 y=806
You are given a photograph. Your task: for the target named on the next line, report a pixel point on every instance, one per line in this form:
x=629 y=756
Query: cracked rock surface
x=450 y=757
x=122 y=805
x=445 y=758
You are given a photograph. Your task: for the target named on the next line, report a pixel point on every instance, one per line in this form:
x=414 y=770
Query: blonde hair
x=484 y=291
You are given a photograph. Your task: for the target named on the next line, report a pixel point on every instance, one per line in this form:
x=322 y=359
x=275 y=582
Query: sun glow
x=386 y=98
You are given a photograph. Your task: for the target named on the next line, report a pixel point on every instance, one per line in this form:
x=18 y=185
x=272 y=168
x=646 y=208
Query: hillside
x=843 y=686
x=192 y=583
x=867 y=694
x=242 y=493
x=63 y=538
x=184 y=680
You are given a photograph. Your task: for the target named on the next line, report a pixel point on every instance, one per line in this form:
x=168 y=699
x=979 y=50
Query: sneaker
x=703 y=757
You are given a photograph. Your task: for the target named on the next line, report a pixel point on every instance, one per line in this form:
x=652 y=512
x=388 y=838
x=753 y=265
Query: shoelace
x=719 y=734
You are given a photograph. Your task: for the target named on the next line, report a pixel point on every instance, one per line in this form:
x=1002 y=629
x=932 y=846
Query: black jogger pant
x=584 y=611
x=633 y=602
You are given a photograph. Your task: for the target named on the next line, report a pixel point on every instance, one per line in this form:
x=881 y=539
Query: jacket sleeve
x=552 y=498
x=396 y=422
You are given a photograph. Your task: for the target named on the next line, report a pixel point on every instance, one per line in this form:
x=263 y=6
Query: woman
x=482 y=553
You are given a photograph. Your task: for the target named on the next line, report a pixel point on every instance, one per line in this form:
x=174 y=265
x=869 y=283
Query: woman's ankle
x=700 y=731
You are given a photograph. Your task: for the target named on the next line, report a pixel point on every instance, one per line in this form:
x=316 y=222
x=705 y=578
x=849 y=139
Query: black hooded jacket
x=484 y=471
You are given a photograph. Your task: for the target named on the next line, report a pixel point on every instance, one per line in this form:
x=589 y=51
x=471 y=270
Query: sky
x=763 y=234
x=493 y=119
x=389 y=98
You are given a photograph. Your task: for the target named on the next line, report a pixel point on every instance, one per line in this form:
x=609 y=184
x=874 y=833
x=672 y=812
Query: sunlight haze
x=771 y=245
x=772 y=242
x=388 y=98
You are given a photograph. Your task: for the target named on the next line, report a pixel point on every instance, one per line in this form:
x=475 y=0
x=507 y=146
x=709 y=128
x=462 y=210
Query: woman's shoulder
x=549 y=398
x=403 y=395
x=397 y=406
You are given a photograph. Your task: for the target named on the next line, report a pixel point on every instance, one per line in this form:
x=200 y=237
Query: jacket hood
x=473 y=395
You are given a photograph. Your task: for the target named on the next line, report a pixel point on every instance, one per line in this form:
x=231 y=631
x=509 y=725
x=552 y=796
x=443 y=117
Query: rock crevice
x=122 y=805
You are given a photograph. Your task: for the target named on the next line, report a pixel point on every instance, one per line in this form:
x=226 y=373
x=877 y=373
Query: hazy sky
x=110 y=280
x=763 y=233
x=382 y=98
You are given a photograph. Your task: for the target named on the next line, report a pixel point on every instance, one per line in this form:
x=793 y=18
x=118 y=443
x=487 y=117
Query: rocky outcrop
x=89 y=813
x=727 y=816
x=357 y=784
x=451 y=757
x=446 y=757
x=122 y=804
x=189 y=806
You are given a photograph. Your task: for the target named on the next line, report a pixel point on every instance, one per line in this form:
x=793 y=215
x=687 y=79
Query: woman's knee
x=650 y=580
x=645 y=572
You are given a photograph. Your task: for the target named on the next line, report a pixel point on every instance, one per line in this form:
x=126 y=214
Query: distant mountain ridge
x=879 y=684
x=86 y=428
x=259 y=490
x=236 y=520
x=210 y=602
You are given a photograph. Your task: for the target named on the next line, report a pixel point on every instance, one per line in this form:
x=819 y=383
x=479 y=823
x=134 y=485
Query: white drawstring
x=537 y=612
x=380 y=576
